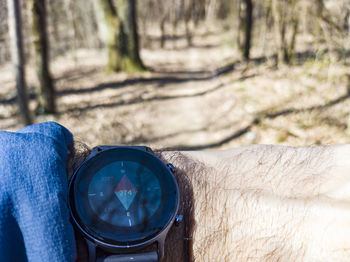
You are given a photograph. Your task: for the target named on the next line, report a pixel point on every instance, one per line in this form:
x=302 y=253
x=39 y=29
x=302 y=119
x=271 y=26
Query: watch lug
x=91 y=250
x=148 y=149
x=143 y=148
x=95 y=151
x=161 y=244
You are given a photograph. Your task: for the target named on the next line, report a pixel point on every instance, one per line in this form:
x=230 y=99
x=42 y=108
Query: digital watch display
x=123 y=199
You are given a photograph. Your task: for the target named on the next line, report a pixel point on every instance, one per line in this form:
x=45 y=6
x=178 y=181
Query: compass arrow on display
x=125 y=192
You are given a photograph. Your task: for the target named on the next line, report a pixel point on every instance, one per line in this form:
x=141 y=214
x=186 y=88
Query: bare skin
x=262 y=203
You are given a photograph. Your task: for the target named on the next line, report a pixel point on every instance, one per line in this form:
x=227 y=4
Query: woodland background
x=181 y=74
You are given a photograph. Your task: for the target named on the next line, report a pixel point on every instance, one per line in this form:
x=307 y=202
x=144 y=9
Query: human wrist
x=179 y=240
x=262 y=201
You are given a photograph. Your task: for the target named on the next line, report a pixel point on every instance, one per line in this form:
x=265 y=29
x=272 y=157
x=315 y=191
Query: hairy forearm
x=267 y=203
x=259 y=203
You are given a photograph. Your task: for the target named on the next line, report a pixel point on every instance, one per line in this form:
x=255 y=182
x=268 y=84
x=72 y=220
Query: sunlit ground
x=196 y=97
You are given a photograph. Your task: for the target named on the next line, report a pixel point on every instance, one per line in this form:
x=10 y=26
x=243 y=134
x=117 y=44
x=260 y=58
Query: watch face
x=124 y=193
x=123 y=196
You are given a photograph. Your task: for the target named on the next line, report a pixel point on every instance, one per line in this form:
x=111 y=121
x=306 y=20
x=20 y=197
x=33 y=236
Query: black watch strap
x=140 y=257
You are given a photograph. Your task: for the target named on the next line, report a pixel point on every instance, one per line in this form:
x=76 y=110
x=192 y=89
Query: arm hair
x=250 y=203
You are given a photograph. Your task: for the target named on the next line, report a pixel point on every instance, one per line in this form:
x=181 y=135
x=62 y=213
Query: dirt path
x=195 y=98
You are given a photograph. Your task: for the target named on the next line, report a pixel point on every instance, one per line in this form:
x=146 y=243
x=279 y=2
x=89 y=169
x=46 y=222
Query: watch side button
x=171 y=167
x=178 y=219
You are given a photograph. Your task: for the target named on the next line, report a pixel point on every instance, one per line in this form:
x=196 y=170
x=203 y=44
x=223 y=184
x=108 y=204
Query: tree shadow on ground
x=160 y=81
x=171 y=38
x=76 y=74
x=260 y=117
x=174 y=77
x=197 y=46
x=140 y=99
x=300 y=58
x=147 y=140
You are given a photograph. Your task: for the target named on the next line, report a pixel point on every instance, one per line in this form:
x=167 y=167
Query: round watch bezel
x=107 y=243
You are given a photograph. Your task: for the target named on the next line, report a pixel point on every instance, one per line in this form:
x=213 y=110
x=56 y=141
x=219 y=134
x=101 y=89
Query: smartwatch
x=123 y=200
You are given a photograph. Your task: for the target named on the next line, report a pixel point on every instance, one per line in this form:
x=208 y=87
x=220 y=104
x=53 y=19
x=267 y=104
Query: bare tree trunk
x=291 y=47
x=188 y=33
x=101 y=22
x=162 y=31
x=54 y=20
x=347 y=21
x=210 y=10
x=176 y=8
x=109 y=27
x=239 y=24
x=46 y=91
x=327 y=26
x=14 y=22
x=72 y=29
x=131 y=60
x=121 y=35
x=280 y=30
x=266 y=26
x=201 y=11
x=245 y=26
x=163 y=16
x=188 y=9
x=248 y=28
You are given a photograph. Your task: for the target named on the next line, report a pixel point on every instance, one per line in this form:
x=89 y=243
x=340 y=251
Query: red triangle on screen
x=125 y=184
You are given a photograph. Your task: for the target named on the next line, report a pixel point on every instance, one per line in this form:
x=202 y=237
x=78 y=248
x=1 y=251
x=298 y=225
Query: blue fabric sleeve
x=34 y=216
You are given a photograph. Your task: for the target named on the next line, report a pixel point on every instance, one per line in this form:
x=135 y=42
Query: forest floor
x=195 y=97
